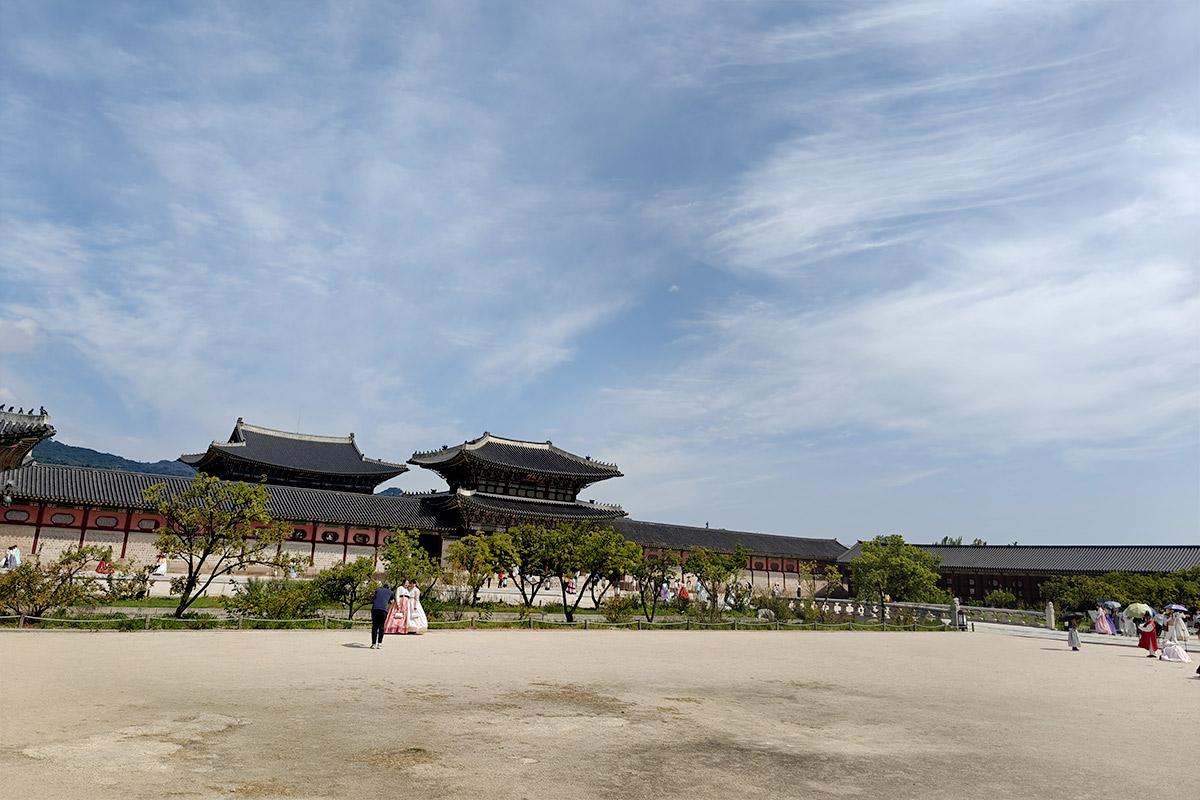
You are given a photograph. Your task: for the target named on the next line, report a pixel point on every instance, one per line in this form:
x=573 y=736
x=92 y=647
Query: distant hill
x=52 y=452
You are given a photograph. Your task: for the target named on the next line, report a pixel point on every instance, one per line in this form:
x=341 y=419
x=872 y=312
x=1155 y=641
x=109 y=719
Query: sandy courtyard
x=551 y=714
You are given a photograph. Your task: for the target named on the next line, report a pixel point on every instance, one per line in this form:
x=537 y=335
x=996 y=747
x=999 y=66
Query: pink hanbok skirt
x=397 y=618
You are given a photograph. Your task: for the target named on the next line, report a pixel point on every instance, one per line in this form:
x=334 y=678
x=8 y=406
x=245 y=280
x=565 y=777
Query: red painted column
x=125 y=540
x=37 y=531
x=83 y=525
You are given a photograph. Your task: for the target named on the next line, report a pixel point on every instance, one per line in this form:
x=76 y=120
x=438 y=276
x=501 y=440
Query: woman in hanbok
x=1072 y=634
x=1177 y=628
x=397 y=618
x=1149 y=638
x=1103 y=623
x=417 y=621
x=1173 y=651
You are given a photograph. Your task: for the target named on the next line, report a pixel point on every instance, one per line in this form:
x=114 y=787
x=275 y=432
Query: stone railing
x=1003 y=616
x=861 y=610
x=933 y=612
x=1006 y=616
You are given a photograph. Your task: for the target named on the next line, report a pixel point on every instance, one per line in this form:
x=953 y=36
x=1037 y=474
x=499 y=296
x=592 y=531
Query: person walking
x=12 y=559
x=379 y=611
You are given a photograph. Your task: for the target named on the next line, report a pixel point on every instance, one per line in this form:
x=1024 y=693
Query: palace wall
x=44 y=531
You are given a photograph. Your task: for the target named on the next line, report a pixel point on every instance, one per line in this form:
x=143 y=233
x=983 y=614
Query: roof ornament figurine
x=20 y=432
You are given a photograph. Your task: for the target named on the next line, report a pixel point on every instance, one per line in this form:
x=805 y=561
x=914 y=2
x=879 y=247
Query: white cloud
x=1084 y=335
x=17 y=335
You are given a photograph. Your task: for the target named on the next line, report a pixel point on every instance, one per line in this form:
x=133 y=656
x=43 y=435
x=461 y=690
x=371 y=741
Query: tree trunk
x=185 y=597
x=567 y=611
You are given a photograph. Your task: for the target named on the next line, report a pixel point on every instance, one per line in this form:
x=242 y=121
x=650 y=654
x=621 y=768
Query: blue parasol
x=1176 y=607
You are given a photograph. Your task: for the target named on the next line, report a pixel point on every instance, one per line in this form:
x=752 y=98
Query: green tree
x=888 y=567
x=527 y=560
x=352 y=584
x=814 y=579
x=958 y=540
x=215 y=527
x=716 y=572
x=405 y=559
x=1084 y=592
x=274 y=598
x=478 y=556
x=35 y=588
x=595 y=553
x=650 y=573
x=1000 y=598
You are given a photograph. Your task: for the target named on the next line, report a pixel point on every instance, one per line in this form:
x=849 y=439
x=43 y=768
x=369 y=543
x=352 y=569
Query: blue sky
x=820 y=269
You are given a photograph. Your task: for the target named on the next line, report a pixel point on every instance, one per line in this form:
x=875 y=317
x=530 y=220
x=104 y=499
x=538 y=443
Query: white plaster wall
x=53 y=541
x=111 y=539
x=20 y=535
x=327 y=555
x=142 y=549
x=359 y=551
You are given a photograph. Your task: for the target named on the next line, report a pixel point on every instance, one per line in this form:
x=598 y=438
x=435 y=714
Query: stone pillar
x=1050 y=615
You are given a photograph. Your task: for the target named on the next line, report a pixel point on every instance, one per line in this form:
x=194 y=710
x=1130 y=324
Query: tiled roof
x=337 y=455
x=516 y=454
x=1049 y=558
x=17 y=424
x=686 y=537
x=526 y=507
x=113 y=488
x=20 y=432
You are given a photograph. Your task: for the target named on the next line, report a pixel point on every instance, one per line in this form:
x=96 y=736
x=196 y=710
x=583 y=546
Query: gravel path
x=547 y=714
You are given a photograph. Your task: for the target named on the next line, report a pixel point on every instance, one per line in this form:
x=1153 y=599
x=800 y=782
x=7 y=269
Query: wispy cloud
x=898 y=240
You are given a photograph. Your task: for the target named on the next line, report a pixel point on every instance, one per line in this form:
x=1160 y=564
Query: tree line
x=215 y=528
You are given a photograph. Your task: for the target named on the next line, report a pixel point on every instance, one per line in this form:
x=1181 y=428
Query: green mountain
x=52 y=452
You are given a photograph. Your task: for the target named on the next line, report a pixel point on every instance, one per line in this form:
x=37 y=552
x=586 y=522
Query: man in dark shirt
x=379 y=612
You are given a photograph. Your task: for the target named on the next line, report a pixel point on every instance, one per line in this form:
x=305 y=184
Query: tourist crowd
x=1163 y=634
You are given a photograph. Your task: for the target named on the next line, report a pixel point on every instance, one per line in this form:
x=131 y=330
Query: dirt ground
x=583 y=714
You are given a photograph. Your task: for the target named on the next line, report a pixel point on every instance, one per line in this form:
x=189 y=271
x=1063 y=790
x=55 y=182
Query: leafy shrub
x=130 y=584
x=738 y=598
x=273 y=599
x=999 y=598
x=680 y=605
x=620 y=608
x=780 y=607
x=1083 y=592
x=188 y=622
